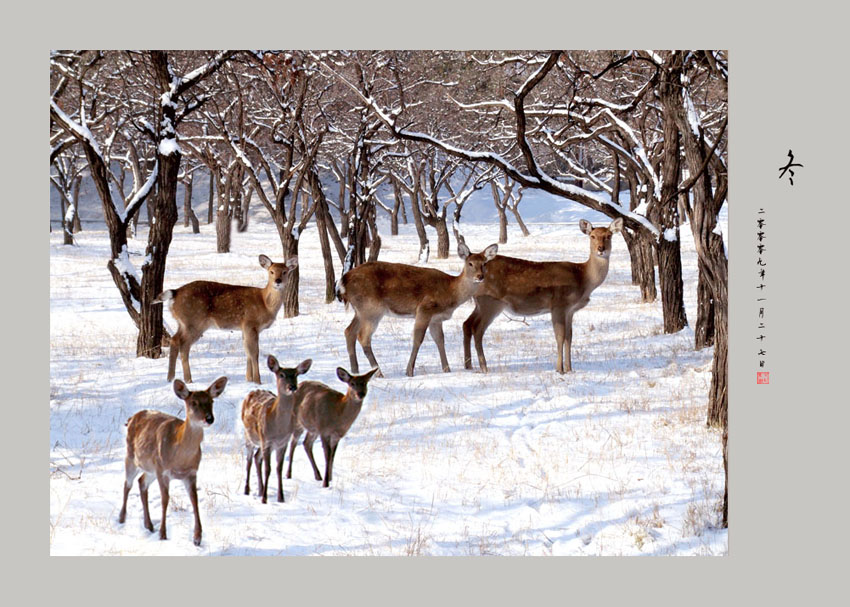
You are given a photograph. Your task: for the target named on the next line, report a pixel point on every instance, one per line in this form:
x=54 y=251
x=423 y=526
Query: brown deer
x=267 y=420
x=326 y=413
x=531 y=287
x=201 y=304
x=165 y=447
x=429 y=295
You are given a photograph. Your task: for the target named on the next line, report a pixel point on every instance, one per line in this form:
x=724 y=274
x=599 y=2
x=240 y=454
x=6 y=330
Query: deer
x=429 y=295
x=165 y=447
x=201 y=304
x=267 y=421
x=531 y=287
x=328 y=414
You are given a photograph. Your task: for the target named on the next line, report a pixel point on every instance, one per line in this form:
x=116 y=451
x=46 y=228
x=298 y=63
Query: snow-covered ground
x=612 y=459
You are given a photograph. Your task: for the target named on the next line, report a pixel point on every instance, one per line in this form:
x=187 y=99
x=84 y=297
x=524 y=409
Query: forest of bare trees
x=333 y=140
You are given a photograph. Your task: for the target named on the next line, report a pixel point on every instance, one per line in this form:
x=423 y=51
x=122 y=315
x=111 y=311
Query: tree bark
x=704 y=329
x=519 y=221
x=76 y=224
x=211 y=200
x=442 y=236
x=322 y=221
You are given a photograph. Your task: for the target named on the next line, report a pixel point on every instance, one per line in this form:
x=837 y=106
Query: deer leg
x=436 y=331
x=192 y=489
x=144 y=482
x=364 y=335
x=186 y=342
x=176 y=341
x=468 y=327
x=267 y=461
x=334 y=444
x=350 y=336
x=163 y=490
x=487 y=311
x=326 y=447
x=559 y=325
x=130 y=472
x=568 y=343
x=308 y=447
x=419 y=326
x=251 y=341
x=292 y=444
x=249 y=454
x=281 y=455
x=258 y=464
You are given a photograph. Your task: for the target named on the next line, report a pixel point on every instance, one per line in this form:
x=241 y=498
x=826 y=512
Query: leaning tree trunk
x=424 y=247
x=642 y=254
x=188 y=213
x=519 y=221
x=399 y=204
x=322 y=221
x=243 y=212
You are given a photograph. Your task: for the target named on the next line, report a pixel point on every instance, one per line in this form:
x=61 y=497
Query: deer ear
x=616 y=225
x=304 y=366
x=343 y=375
x=217 y=387
x=292 y=262
x=585 y=226
x=368 y=376
x=463 y=250
x=181 y=390
x=490 y=252
x=273 y=364
x=265 y=262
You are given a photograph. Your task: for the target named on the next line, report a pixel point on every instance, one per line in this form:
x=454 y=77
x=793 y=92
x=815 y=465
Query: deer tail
x=166 y=295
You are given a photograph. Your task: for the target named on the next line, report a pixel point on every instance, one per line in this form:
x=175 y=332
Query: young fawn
x=431 y=296
x=201 y=304
x=326 y=413
x=165 y=447
x=267 y=420
x=532 y=287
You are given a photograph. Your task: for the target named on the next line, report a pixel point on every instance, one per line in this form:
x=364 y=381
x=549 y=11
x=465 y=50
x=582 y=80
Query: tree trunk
x=442 y=236
x=223 y=226
x=704 y=329
x=76 y=225
x=243 y=213
x=643 y=265
x=211 y=201
x=399 y=203
x=290 y=291
x=725 y=441
x=322 y=220
x=187 y=200
x=424 y=247
x=665 y=215
x=519 y=221
x=503 y=224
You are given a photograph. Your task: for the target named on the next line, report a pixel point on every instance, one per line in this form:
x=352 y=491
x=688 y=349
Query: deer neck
x=349 y=408
x=595 y=271
x=272 y=298
x=189 y=436
x=464 y=287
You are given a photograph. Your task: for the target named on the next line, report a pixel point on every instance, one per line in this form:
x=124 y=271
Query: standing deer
x=429 y=295
x=268 y=425
x=327 y=414
x=532 y=287
x=201 y=304
x=165 y=447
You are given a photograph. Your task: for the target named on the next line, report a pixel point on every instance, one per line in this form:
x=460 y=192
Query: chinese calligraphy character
x=787 y=167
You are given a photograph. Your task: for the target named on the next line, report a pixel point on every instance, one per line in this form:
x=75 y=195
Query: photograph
x=451 y=303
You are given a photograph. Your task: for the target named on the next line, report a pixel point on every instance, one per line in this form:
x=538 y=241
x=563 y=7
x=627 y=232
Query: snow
x=670 y=235
x=168 y=146
x=612 y=459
